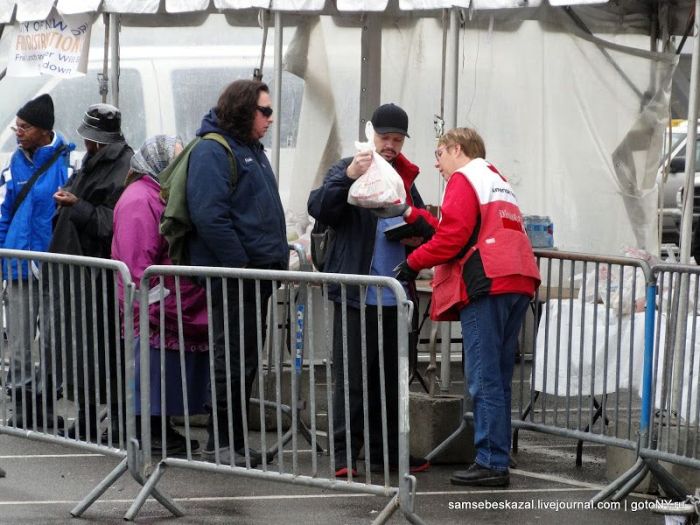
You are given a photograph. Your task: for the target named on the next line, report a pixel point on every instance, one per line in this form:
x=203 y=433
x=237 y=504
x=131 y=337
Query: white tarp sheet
x=592 y=358
x=39 y=9
x=71 y=7
x=55 y=46
x=576 y=132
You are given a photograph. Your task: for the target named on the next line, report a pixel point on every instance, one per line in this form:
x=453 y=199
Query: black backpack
x=322 y=239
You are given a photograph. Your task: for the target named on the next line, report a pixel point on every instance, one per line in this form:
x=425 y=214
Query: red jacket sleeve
x=420 y=212
x=460 y=212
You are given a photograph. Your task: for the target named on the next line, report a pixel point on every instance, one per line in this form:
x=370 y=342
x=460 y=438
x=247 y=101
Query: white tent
x=574 y=120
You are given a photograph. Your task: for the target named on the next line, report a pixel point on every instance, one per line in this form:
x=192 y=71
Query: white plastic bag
x=380 y=185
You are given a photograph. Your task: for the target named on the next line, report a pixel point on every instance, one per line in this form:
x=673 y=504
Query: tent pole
x=104 y=76
x=690 y=146
x=451 y=105
x=277 y=102
x=370 y=69
x=453 y=90
x=114 y=21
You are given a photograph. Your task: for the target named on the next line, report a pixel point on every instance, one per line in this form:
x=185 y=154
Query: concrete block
x=433 y=419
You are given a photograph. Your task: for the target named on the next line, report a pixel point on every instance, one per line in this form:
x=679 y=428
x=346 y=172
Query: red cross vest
x=502 y=243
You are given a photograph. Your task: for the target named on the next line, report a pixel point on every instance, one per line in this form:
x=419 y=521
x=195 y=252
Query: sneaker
x=342 y=471
x=416 y=464
x=478 y=476
x=225 y=457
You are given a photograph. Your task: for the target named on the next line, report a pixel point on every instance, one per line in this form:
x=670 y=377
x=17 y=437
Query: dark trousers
x=354 y=366
x=82 y=325
x=248 y=311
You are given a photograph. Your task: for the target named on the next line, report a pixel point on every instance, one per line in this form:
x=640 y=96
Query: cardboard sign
x=56 y=46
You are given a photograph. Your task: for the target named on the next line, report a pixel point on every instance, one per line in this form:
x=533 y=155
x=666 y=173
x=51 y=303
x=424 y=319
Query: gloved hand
x=424 y=228
x=403 y=272
x=393 y=210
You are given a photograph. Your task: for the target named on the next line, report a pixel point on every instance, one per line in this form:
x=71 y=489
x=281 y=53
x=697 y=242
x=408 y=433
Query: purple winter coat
x=138 y=244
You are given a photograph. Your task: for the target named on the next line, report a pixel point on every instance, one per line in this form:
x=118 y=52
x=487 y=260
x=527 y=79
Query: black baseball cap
x=390 y=118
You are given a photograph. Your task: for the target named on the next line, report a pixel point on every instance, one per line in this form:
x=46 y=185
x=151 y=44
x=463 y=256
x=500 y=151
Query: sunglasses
x=265 y=110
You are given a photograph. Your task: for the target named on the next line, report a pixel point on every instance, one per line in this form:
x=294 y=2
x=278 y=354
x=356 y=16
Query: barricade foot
x=387 y=511
x=149 y=489
x=100 y=489
x=631 y=473
x=673 y=488
x=407 y=502
x=446 y=443
x=631 y=484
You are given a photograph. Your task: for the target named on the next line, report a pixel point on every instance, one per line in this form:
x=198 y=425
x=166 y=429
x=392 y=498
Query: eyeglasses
x=23 y=128
x=265 y=110
x=440 y=151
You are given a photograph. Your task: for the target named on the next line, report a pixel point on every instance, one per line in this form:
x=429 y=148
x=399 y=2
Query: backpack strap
x=38 y=173
x=217 y=137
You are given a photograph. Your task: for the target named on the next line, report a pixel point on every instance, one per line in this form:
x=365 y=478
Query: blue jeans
x=490 y=327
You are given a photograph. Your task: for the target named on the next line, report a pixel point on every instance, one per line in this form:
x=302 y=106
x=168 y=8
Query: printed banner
x=56 y=46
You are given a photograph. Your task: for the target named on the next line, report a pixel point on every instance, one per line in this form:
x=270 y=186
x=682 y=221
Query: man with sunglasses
x=238 y=222
x=361 y=247
x=37 y=168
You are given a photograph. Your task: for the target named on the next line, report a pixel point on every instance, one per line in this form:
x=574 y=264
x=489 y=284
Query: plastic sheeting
x=576 y=130
x=28 y=10
x=593 y=358
x=185 y=6
x=71 y=7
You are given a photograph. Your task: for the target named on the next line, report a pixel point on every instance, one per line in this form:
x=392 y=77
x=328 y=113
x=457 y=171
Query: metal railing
x=578 y=375
x=237 y=316
x=67 y=377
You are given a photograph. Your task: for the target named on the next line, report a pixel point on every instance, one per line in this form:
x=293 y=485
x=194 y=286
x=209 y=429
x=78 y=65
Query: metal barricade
x=236 y=306
x=66 y=355
x=579 y=374
x=670 y=423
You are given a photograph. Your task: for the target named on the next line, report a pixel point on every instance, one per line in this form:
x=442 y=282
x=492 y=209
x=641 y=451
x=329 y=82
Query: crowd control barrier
x=669 y=425
x=582 y=350
x=66 y=355
x=237 y=316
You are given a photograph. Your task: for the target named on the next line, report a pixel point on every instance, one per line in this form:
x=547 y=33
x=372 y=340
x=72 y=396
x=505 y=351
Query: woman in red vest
x=485 y=276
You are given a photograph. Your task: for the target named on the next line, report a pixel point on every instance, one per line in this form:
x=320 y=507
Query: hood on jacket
x=210 y=124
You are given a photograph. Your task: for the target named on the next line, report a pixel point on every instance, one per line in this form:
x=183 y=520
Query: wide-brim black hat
x=102 y=123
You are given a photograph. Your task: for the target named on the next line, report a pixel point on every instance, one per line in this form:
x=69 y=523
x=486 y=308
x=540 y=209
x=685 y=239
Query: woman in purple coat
x=137 y=242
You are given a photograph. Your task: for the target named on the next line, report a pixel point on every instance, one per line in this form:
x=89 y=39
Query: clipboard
x=401 y=231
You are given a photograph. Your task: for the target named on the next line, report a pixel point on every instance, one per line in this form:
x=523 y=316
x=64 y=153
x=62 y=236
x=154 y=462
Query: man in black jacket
x=83 y=226
x=360 y=247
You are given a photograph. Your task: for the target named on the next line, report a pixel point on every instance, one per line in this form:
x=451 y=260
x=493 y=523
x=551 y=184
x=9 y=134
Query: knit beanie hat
x=38 y=112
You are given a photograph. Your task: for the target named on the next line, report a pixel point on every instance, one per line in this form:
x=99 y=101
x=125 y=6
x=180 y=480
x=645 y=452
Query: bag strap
x=217 y=137
x=38 y=173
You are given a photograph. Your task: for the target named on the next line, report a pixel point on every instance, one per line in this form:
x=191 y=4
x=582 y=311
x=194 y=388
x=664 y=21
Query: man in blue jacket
x=236 y=226
x=25 y=224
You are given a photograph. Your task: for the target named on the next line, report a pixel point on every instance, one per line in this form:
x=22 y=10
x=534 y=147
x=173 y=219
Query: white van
x=163 y=89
